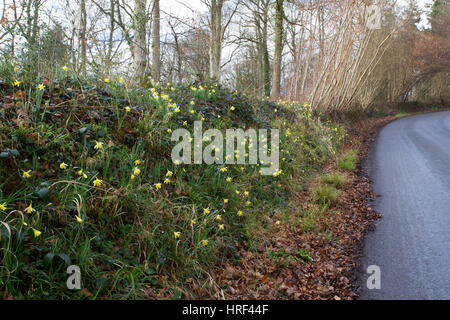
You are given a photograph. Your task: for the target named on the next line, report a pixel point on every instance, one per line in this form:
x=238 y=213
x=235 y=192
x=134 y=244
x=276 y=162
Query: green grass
x=348 y=160
x=401 y=115
x=326 y=195
x=337 y=180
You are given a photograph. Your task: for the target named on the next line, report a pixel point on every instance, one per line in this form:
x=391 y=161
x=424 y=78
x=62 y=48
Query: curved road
x=410 y=166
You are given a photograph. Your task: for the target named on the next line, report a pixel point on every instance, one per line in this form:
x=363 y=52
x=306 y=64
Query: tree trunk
x=140 y=44
x=83 y=40
x=215 y=51
x=276 y=75
x=156 y=45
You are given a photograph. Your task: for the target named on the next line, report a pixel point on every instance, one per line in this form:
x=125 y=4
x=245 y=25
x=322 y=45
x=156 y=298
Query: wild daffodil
x=30 y=209
x=177 y=234
x=205 y=242
x=98 y=145
x=240 y=213
x=221 y=227
x=3 y=207
x=207 y=211
x=26 y=174
x=169 y=174
x=36 y=233
x=158 y=186
x=127 y=109
x=225 y=201
x=63 y=166
x=41 y=86
x=219 y=217
x=136 y=171
x=97 y=182
x=193 y=222
x=79 y=220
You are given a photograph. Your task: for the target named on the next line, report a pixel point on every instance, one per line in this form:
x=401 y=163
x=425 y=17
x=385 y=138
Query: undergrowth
x=86 y=179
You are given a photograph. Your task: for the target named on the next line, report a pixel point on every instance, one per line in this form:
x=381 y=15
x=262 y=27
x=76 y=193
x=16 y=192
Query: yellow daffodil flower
x=205 y=242
x=207 y=211
x=127 y=109
x=3 y=207
x=233 y=108
x=65 y=68
x=98 y=145
x=229 y=179
x=30 y=209
x=240 y=213
x=225 y=201
x=41 y=86
x=63 y=166
x=193 y=222
x=136 y=171
x=106 y=80
x=36 y=233
x=169 y=174
x=17 y=83
x=26 y=174
x=97 y=182
x=167 y=181
x=79 y=220
x=177 y=234
x=278 y=222
x=219 y=217
x=158 y=186
x=221 y=227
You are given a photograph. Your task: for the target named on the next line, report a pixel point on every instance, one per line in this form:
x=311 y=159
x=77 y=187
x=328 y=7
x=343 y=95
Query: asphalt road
x=410 y=166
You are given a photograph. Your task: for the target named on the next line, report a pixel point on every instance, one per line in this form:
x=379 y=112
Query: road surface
x=410 y=167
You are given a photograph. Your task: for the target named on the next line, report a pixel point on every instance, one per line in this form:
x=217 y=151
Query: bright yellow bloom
x=37 y=233
x=136 y=171
x=240 y=213
x=205 y=242
x=219 y=217
x=193 y=222
x=41 y=86
x=207 y=211
x=98 y=145
x=3 y=207
x=106 y=80
x=16 y=69
x=17 y=83
x=238 y=192
x=229 y=179
x=30 y=209
x=225 y=201
x=26 y=174
x=246 y=193
x=63 y=166
x=224 y=169
x=137 y=162
x=158 y=186
x=177 y=110
x=127 y=109
x=65 y=68
x=169 y=130
x=98 y=182
x=167 y=181
x=121 y=80
x=169 y=174
x=177 y=234
x=278 y=222
x=79 y=220
x=221 y=227
x=248 y=203
x=233 y=108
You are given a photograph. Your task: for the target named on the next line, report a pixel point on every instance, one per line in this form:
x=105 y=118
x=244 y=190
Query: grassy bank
x=86 y=179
